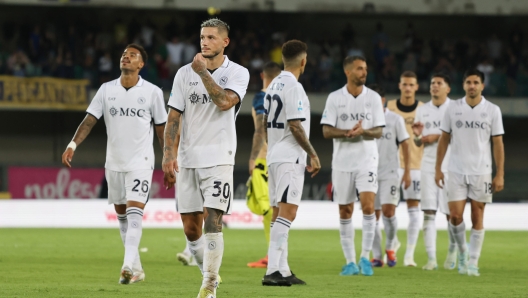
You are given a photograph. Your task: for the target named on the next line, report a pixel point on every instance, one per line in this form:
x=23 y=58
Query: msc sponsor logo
x=433 y=124
x=472 y=124
x=195 y=98
x=344 y=117
x=128 y=112
x=386 y=136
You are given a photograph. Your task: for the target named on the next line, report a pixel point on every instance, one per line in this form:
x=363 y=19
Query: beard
x=214 y=54
x=360 y=82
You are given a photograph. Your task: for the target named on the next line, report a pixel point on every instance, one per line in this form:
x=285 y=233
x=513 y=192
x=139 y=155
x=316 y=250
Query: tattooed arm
x=300 y=136
x=82 y=132
x=172 y=140
x=213 y=221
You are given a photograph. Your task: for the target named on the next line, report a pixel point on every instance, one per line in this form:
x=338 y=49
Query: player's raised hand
x=406 y=179
x=199 y=63
x=251 y=166
x=417 y=128
x=315 y=166
x=439 y=179
x=497 y=184
x=67 y=157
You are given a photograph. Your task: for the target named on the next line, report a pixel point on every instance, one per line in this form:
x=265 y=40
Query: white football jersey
x=286 y=100
x=129 y=115
x=394 y=133
x=343 y=111
x=471 y=130
x=431 y=117
x=208 y=134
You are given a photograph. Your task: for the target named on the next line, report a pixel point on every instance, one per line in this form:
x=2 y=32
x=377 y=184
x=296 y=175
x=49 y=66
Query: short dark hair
x=271 y=69
x=474 y=72
x=141 y=50
x=350 y=59
x=216 y=23
x=409 y=74
x=292 y=49
x=444 y=76
x=378 y=88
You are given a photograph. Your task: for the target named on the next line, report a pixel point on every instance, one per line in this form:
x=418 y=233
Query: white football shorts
x=128 y=186
x=285 y=183
x=433 y=197
x=388 y=192
x=346 y=186
x=204 y=187
x=476 y=187
x=413 y=192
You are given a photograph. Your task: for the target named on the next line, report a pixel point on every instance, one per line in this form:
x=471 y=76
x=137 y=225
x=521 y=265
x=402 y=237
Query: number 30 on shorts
x=225 y=191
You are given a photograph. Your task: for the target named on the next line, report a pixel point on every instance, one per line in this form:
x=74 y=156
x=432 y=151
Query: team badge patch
x=484 y=115
x=212 y=245
x=223 y=81
x=141 y=100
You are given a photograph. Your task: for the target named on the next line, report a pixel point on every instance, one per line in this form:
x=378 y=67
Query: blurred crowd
x=78 y=52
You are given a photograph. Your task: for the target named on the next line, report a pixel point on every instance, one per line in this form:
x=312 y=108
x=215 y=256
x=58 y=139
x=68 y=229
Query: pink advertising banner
x=58 y=183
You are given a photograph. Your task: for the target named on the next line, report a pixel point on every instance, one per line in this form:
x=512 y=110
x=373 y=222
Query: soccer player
x=130 y=106
x=469 y=124
x=406 y=106
x=353 y=118
x=205 y=100
x=427 y=131
x=287 y=121
x=258 y=170
x=394 y=136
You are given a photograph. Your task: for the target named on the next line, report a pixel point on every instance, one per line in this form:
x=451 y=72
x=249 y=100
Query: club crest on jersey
x=299 y=105
x=194 y=98
x=113 y=111
x=344 y=117
x=483 y=115
x=141 y=100
x=367 y=104
x=459 y=124
x=223 y=81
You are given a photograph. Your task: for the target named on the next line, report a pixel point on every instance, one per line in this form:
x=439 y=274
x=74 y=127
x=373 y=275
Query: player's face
x=408 y=86
x=356 y=72
x=473 y=86
x=439 y=88
x=212 y=42
x=131 y=60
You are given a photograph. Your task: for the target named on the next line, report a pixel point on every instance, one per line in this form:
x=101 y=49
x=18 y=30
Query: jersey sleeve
x=238 y=83
x=497 y=128
x=377 y=113
x=96 y=108
x=177 y=98
x=158 y=112
x=258 y=103
x=401 y=130
x=446 y=122
x=330 y=113
x=293 y=104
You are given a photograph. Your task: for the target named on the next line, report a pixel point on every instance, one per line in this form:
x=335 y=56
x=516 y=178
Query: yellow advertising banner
x=43 y=93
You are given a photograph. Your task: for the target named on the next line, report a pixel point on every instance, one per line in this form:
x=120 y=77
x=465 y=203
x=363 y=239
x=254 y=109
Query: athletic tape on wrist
x=72 y=145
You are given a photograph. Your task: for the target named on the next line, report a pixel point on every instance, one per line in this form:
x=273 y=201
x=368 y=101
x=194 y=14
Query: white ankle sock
x=476 y=239
x=369 y=226
x=391 y=226
x=133 y=235
x=452 y=242
x=376 y=245
x=278 y=243
x=460 y=236
x=347 y=234
x=213 y=253
x=196 y=248
x=413 y=231
x=429 y=230
x=284 y=267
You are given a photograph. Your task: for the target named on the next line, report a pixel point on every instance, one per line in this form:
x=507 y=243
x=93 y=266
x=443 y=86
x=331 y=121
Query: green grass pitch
x=86 y=263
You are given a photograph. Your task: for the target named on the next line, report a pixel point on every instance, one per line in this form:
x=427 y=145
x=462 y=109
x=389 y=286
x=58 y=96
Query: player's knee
x=345 y=212
x=456 y=218
x=192 y=232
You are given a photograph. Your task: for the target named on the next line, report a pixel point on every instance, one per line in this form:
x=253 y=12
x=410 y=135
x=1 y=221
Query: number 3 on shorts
x=224 y=191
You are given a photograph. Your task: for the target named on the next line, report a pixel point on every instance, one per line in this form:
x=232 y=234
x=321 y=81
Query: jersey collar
x=139 y=83
x=287 y=73
x=346 y=93
x=480 y=103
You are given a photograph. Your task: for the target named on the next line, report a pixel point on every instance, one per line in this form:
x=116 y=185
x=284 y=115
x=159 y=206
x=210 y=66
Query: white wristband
x=72 y=145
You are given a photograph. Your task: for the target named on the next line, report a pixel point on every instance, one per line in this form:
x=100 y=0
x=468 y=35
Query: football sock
x=476 y=239
x=187 y=251
x=460 y=236
x=133 y=235
x=413 y=230
x=212 y=259
x=284 y=267
x=391 y=226
x=196 y=248
x=376 y=246
x=369 y=226
x=452 y=242
x=429 y=230
x=347 y=233
x=278 y=243
x=123 y=227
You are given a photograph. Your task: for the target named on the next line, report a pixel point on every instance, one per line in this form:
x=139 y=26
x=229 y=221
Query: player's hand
x=417 y=128
x=67 y=157
x=357 y=130
x=439 y=179
x=251 y=166
x=497 y=184
x=406 y=179
x=427 y=139
x=169 y=181
x=199 y=63
x=315 y=166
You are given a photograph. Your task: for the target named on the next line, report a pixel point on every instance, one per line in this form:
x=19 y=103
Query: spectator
x=410 y=63
x=486 y=67
x=175 y=50
x=189 y=51
x=276 y=53
x=17 y=63
x=163 y=71
x=494 y=45
x=512 y=69
x=105 y=68
x=355 y=50
x=35 y=41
